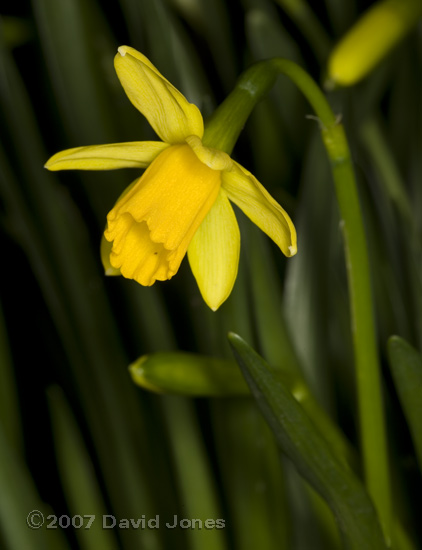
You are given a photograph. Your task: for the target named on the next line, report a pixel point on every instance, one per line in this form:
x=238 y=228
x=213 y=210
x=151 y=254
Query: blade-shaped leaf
x=406 y=366
x=77 y=475
x=23 y=515
x=301 y=442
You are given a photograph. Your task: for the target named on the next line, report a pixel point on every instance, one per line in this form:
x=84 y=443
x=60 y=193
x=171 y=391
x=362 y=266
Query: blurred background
x=77 y=436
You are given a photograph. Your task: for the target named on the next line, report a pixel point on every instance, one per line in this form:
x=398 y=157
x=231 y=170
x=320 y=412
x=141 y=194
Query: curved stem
x=222 y=131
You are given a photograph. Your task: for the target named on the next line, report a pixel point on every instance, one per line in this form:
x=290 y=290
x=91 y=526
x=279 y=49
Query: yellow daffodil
x=181 y=202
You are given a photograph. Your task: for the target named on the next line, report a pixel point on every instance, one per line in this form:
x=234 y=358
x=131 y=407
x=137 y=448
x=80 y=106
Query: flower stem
x=222 y=131
x=371 y=414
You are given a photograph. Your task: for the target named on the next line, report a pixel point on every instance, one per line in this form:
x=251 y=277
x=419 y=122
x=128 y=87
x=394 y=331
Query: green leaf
x=194 y=480
x=406 y=367
x=54 y=239
x=77 y=73
x=77 y=474
x=309 y=284
x=308 y=23
x=9 y=403
x=23 y=515
x=304 y=445
x=253 y=481
x=16 y=31
x=271 y=328
x=276 y=344
x=267 y=38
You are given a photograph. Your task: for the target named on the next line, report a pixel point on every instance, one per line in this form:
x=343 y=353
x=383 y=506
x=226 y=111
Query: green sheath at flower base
x=222 y=129
x=371 y=39
x=188 y=374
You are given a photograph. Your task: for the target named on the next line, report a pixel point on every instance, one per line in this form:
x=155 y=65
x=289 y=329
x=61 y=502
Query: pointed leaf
x=304 y=445
x=406 y=366
x=23 y=514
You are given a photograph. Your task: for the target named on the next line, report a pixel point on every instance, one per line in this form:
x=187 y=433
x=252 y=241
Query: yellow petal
x=136 y=255
x=106 y=246
x=135 y=154
x=167 y=110
x=214 y=252
x=152 y=225
x=214 y=158
x=250 y=196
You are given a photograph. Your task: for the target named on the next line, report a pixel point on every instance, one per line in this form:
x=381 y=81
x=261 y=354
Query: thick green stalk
x=371 y=414
x=222 y=131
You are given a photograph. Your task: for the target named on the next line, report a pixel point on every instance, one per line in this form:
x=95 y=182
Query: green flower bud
x=188 y=374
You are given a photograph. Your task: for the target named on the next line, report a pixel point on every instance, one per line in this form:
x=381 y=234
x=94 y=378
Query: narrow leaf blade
x=304 y=445
x=406 y=367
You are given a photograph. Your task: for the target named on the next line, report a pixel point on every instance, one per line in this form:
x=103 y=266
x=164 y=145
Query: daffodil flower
x=181 y=203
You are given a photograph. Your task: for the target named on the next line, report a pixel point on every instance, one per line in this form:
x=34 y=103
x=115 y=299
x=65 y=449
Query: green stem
x=222 y=131
x=371 y=414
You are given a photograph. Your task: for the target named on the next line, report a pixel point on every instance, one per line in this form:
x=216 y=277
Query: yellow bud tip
x=122 y=50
